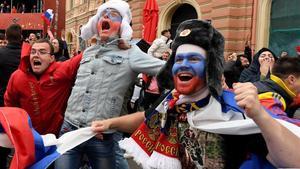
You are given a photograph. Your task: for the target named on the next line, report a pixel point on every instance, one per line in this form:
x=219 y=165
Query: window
x=71 y=4
x=284 y=26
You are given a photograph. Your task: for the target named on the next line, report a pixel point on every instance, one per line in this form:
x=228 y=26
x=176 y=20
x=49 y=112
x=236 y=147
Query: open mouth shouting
x=39 y=65
x=36 y=63
x=185 y=76
x=105 y=26
x=187 y=82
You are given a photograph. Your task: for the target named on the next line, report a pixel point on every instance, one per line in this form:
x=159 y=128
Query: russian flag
x=34 y=151
x=48 y=16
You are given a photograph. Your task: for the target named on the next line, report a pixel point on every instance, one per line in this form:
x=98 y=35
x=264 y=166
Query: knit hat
x=90 y=29
x=203 y=34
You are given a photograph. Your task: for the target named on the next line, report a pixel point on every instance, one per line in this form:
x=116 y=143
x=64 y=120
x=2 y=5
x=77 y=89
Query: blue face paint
x=189 y=62
x=112 y=14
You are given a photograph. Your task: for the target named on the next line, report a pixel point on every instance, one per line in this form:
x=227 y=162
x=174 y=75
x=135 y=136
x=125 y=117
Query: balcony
x=28 y=21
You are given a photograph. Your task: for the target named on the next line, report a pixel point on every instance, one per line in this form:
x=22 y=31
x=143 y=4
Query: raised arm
x=143 y=63
x=128 y=123
x=280 y=141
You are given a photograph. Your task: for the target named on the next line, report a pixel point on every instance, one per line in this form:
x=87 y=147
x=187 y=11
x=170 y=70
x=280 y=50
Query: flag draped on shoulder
x=48 y=16
x=156 y=144
x=34 y=151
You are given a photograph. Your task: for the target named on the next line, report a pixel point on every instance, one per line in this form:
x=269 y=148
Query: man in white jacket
x=160 y=45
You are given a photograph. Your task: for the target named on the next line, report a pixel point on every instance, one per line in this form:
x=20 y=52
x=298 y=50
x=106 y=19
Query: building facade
x=239 y=21
x=30 y=17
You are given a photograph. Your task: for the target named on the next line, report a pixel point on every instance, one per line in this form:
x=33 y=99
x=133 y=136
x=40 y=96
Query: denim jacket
x=104 y=76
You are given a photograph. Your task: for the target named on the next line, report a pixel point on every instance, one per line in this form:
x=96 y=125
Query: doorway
x=182 y=13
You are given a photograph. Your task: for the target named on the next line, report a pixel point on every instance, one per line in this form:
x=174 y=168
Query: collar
x=278 y=81
x=192 y=106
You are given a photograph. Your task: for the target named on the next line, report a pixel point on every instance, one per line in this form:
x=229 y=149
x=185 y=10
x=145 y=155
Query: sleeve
x=11 y=94
x=72 y=66
x=243 y=77
x=65 y=49
x=143 y=63
x=276 y=106
x=153 y=48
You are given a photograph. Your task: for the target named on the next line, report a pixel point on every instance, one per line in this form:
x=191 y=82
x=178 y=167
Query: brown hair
x=286 y=66
x=48 y=42
x=14 y=33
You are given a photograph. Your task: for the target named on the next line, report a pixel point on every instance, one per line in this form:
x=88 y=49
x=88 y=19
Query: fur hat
x=90 y=29
x=203 y=34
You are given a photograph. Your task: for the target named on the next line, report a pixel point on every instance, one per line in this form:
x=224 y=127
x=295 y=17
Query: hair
x=14 y=33
x=164 y=31
x=286 y=66
x=48 y=42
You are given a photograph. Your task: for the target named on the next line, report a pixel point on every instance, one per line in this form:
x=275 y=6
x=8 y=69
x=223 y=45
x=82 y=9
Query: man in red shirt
x=42 y=86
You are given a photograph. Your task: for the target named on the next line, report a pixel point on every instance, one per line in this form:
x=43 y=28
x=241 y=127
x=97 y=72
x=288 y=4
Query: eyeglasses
x=112 y=14
x=39 y=52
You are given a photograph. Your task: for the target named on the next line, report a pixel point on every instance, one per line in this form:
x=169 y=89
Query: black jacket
x=9 y=62
x=252 y=74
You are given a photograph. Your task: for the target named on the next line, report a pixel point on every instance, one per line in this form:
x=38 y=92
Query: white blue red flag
x=48 y=16
x=34 y=151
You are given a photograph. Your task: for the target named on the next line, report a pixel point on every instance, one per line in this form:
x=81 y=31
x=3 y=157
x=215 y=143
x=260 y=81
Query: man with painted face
x=195 y=70
x=106 y=71
x=186 y=130
x=189 y=69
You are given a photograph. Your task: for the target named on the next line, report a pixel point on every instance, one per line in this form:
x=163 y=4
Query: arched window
x=184 y=12
x=284 y=26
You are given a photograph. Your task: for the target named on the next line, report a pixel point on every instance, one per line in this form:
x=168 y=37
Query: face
x=294 y=83
x=244 y=61
x=32 y=37
x=3 y=43
x=165 y=56
x=55 y=44
x=284 y=54
x=266 y=56
x=40 y=57
x=189 y=69
x=167 y=34
x=109 y=24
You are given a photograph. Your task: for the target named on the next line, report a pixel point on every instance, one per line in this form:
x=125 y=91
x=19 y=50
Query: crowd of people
x=18 y=8
x=197 y=110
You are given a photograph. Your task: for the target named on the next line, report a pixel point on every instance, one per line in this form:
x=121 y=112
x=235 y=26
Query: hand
x=247 y=98
x=123 y=44
x=101 y=125
x=266 y=65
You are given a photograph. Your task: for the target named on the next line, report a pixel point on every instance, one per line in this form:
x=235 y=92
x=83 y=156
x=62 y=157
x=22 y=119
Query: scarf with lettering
x=155 y=144
x=158 y=136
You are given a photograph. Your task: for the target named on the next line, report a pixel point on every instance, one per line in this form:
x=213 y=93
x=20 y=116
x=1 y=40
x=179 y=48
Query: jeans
x=100 y=153
x=121 y=162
